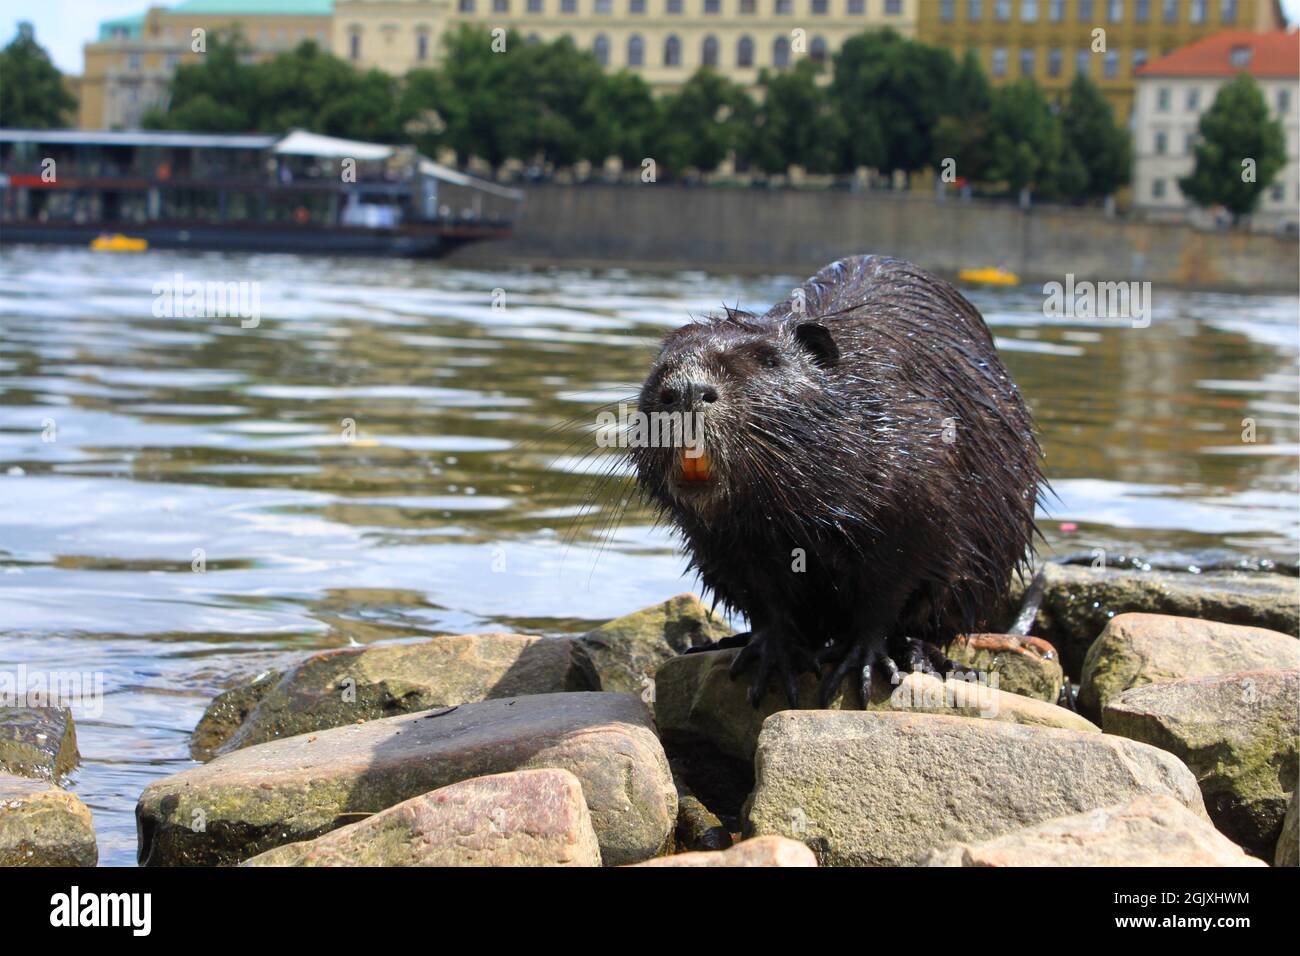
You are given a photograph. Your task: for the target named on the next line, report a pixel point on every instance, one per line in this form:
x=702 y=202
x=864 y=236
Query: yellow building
x=663 y=40
x=128 y=68
x=1053 y=40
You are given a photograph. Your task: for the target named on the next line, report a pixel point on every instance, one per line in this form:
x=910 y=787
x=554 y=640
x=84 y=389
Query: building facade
x=665 y=41
x=1174 y=91
x=128 y=68
x=1051 y=41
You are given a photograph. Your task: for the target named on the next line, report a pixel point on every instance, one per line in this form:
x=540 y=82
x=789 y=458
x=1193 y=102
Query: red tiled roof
x=1272 y=54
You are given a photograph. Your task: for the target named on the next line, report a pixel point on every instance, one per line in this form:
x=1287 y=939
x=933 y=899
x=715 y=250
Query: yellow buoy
x=118 y=243
x=996 y=276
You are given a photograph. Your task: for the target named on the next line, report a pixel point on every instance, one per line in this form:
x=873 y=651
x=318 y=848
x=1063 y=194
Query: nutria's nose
x=687 y=396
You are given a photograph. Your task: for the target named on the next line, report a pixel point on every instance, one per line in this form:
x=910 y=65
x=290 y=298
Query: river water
x=398 y=449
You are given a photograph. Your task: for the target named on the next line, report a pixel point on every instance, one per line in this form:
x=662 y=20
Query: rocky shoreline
x=615 y=748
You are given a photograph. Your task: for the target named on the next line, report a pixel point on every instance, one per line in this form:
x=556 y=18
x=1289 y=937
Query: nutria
x=863 y=481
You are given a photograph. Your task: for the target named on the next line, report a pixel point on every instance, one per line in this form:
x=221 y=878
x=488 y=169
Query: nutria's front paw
x=776 y=657
x=923 y=657
x=864 y=658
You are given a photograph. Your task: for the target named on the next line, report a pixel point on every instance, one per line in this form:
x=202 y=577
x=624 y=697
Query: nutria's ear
x=816 y=340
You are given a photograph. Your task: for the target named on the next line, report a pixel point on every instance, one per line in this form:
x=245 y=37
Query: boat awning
x=448 y=175
x=302 y=143
x=106 y=137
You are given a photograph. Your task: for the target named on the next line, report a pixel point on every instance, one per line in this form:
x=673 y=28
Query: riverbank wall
x=661 y=226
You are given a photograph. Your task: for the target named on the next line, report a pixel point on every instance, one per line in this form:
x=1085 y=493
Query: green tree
x=702 y=122
x=627 y=116
x=212 y=95
x=1098 y=144
x=891 y=92
x=795 y=124
x=1025 y=139
x=962 y=134
x=32 y=92
x=1241 y=150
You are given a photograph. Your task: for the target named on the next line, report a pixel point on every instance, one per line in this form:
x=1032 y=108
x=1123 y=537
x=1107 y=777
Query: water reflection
x=131 y=445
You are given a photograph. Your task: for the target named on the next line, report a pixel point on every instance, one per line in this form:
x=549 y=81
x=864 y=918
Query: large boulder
x=354 y=684
x=1079 y=601
x=1154 y=830
x=37 y=741
x=1028 y=666
x=697 y=701
x=524 y=818
x=253 y=799
x=1136 y=649
x=1238 y=733
x=42 y=825
x=227 y=713
x=1288 y=843
x=628 y=650
x=760 y=851
x=879 y=788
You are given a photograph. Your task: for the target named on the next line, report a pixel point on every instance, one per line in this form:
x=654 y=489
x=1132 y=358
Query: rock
x=37 y=741
x=1137 y=649
x=627 y=651
x=355 y=684
x=227 y=712
x=1078 y=602
x=253 y=799
x=1154 y=830
x=1237 y=733
x=1288 y=844
x=1028 y=666
x=760 y=851
x=695 y=699
x=698 y=828
x=879 y=788
x=42 y=825
x=524 y=818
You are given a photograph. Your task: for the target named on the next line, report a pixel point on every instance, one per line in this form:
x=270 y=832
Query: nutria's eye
x=667 y=396
x=770 y=360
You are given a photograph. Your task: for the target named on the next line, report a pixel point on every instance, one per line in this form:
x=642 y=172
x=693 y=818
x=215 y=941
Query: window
x=1085 y=11
x=1157 y=189
x=1110 y=64
x=947 y=10
x=893 y=7
x=1198 y=11
x=999 y=62
x=1083 y=61
x=636 y=6
x=635 y=50
x=1002 y=10
x=1142 y=11
x=1028 y=11
x=817 y=51
x=1169 y=11
x=500 y=6
x=974 y=10
x=1162 y=143
x=466 y=6
x=712 y=7
x=709 y=51
x=856 y=7
x=1027 y=62
x=819 y=7
x=1056 y=10
x=1283 y=102
x=783 y=8
x=1115 y=10
x=1193 y=100
x=781 y=53
x=600 y=47
x=673 y=7
x=1163 y=97
x=354 y=45
x=1240 y=57
x=603 y=8
x=422 y=46
x=1054 y=58
x=171 y=61
x=1228 y=11
x=1278 y=192
x=672 y=51
x=568 y=6
x=745 y=52
x=1139 y=58
x=133 y=61
x=1189 y=143
x=535 y=6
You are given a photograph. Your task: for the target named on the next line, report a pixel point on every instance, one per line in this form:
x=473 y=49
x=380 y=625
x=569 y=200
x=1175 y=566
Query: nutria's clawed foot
x=872 y=655
x=777 y=658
